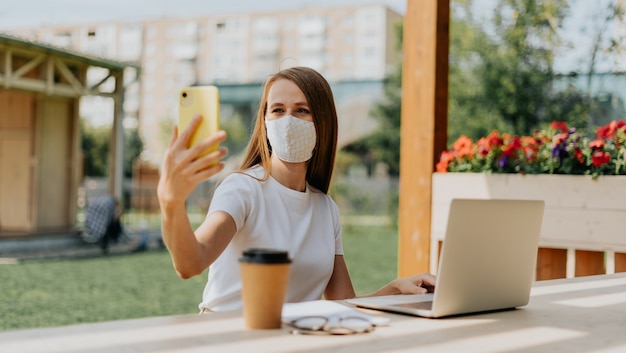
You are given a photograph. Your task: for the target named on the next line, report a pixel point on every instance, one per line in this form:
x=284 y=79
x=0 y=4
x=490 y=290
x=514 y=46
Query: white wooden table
x=583 y=314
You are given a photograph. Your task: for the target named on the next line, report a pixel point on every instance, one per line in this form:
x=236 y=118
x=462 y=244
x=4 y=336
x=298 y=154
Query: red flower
x=603 y=132
x=483 y=146
x=559 y=138
x=559 y=125
x=600 y=158
x=494 y=139
x=578 y=153
x=530 y=147
x=463 y=147
x=596 y=144
x=444 y=161
x=513 y=146
x=608 y=131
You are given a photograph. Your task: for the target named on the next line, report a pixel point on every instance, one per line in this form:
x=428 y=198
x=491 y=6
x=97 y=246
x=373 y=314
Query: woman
x=277 y=199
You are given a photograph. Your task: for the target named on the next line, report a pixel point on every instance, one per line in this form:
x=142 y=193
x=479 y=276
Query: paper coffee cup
x=264 y=277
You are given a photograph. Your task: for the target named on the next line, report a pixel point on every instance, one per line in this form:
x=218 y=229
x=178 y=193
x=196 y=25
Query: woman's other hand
x=418 y=284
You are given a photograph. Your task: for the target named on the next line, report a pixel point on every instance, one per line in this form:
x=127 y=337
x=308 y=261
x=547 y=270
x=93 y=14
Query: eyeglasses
x=331 y=326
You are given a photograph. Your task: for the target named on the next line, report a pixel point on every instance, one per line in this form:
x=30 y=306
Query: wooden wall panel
x=551 y=263
x=16 y=110
x=54 y=156
x=15 y=211
x=16 y=136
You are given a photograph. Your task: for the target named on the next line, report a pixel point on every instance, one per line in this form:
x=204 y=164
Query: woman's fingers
x=184 y=167
x=185 y=136
x=417 y=284
x=428 y=279
x=208 y=143
x=184 y=155
x=205 y=174
x=208 y=161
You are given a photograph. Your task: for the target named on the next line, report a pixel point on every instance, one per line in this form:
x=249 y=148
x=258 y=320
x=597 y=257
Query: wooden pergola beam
x=424 y=125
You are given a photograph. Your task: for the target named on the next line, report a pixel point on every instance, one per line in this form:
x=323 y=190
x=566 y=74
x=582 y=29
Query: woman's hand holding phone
x=185 y=167
x=193 y=154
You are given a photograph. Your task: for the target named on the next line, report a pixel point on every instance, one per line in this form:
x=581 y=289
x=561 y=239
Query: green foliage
x=133 y=146
x=503 y=79
x=500 y=78
x=371 y=254
x=383 y=145
x=343 y=161
x=468 y=113
x=65 y=292
x=95 y=147
x=237 y=132
x=353 y=200
x=95 y=144
x=516 y=68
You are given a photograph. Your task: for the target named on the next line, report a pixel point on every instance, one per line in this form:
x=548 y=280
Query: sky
x=28 y=13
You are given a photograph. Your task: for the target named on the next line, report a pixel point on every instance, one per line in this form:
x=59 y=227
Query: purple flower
x=502 y=161
x=560 y=152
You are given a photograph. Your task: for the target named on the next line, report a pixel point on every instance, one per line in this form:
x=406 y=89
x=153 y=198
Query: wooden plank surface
x=583 y=314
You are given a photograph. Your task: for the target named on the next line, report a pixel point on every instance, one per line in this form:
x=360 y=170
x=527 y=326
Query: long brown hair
x=320 y=98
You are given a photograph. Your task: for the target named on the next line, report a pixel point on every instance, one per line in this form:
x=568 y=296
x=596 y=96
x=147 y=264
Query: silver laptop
x=487 y=261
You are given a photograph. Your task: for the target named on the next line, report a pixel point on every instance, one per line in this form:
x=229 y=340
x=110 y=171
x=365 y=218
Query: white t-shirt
x=270 y=215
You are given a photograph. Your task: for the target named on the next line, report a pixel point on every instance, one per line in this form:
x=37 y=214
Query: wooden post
x=116 y=153
x=423 y=127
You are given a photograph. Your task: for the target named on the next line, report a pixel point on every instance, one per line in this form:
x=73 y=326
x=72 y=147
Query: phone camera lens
x=184 y=94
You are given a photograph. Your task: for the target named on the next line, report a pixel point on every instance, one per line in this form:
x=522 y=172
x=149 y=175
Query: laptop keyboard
x=418 y=305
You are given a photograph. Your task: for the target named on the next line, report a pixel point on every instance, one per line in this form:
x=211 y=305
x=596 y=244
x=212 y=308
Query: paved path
x=72 y=246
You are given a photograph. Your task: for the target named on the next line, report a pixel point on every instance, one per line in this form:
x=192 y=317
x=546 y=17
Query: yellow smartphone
x=204 y=101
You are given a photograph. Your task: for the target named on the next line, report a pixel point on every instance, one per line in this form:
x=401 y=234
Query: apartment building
x=346 y=44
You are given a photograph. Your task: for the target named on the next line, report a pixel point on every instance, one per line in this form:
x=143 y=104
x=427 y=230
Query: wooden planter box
x=584 y=226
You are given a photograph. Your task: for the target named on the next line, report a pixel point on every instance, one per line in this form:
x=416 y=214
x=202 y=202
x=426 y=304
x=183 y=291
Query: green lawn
x=64 y=292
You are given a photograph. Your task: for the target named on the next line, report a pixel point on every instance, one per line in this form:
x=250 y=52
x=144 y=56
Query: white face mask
x=292 y=139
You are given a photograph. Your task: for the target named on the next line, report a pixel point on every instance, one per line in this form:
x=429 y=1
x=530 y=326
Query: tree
x=95 y=147
x=133 y=146
x=383 y=145
x=517 y=71
x=469 y=111
x=501 y=77
x=603 y=42
x=530 y=35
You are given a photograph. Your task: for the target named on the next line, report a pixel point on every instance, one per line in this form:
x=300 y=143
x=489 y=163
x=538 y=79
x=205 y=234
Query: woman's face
x=285 y=98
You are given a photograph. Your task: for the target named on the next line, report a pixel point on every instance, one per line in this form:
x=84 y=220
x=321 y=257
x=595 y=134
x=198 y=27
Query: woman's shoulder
x=320 y=195
x=250 y=176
